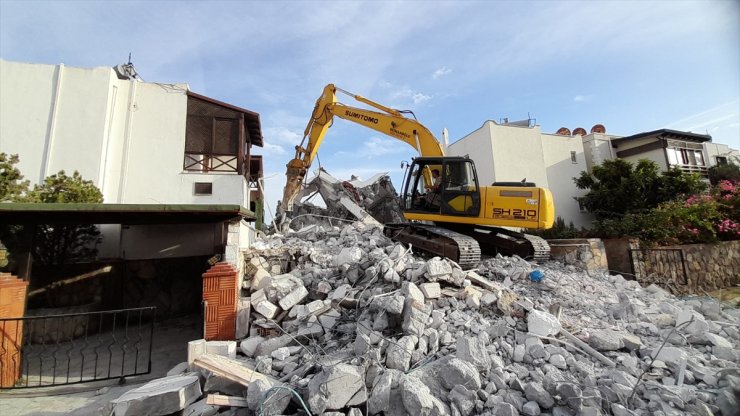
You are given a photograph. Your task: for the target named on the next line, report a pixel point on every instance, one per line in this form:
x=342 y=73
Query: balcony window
x=212 y=139
x=687 y=156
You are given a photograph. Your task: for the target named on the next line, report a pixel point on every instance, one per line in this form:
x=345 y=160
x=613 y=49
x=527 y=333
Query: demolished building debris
x=346 y=322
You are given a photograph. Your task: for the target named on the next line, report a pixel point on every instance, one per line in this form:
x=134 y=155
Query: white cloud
x=407 y=94
x=441 y=72
x=281 y=134
x=269 y=149
x=375 y=147
x=420 y=98
x=582 y=98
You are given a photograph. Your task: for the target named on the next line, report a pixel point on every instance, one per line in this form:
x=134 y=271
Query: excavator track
x=494 y=240
x=541 y=250
x=437 y=241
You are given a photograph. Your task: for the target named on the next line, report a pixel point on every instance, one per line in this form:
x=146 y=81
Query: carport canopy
x=134 y=214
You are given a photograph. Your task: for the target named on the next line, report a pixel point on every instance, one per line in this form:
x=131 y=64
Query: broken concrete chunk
x=268 y=346
x=605 y=340
x=542 y=323
x=417 y=399
x=222 y=348
x=273 y=398
x=392 y=304
x=473 y=350
x=472 y=297
x=438 y=269
x=398 y=354
x=181 y=368
x=293 y=298
x=457 y=371
x=431 y=290
x=159 y=397
x=415 y=316
x=462 y=399
x=348 y=255
x=249 y=345
x=535 y=392
x=336 y=387
x=196 y=348
x=410 y=290
x=200 y=408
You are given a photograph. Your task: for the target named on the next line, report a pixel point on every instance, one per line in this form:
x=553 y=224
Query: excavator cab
x=445 y=186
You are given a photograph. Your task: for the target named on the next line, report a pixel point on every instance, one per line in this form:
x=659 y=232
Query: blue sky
x=632 y=66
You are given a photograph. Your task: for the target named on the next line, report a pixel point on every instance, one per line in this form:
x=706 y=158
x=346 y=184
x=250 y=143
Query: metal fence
x=659 y=265
x=74 y=348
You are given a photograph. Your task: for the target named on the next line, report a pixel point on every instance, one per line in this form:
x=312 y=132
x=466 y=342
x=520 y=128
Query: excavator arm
x=388 y=121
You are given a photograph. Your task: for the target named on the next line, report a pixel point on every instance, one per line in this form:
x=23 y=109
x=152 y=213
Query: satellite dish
x=598 y=128
x=563 y=131
x=579 y=131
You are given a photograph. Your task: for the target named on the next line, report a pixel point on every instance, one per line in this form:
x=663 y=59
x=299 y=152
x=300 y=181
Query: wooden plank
x=221 y=400
x=231 y=369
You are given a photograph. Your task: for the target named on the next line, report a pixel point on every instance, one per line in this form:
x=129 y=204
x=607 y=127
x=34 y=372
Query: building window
x=686 y=156
x=203 y=188
x=721 y=160
x=573 y=157
x=581 y=207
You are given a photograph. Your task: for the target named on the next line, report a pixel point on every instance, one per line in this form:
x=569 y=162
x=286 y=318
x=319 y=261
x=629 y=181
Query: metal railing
x=75 y=348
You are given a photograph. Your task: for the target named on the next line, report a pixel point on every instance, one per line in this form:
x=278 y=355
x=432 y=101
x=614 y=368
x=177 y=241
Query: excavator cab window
x=460 y=194
x=442 y=186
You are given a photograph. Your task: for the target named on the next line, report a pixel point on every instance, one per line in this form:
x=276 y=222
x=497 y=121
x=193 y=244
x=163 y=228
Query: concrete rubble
x=346 y=322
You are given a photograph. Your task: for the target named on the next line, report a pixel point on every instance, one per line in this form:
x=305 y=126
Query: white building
x=141 y=143
x=511 y=152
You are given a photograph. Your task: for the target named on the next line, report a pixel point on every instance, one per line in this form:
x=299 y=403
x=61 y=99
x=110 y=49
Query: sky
x=633 y=66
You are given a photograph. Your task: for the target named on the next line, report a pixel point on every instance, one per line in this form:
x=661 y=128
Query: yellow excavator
x=449 y=213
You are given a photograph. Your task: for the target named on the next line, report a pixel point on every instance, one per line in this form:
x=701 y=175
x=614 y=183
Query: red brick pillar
x=220 y=293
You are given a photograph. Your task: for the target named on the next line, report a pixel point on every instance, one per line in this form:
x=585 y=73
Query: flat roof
x=88 y=213
x=667 y=134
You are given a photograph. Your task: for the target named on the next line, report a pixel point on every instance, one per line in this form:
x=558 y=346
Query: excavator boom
x=461 y=205
x=388 y=121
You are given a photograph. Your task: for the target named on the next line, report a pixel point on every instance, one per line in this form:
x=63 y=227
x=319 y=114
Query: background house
x=513 y=151
x=176 y=168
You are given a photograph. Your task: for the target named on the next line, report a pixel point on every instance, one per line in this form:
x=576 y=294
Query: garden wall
x=681 y=269
x=586 y=253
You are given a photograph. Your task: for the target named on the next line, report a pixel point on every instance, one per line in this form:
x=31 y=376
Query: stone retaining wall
x=586 y=253
x=705 y=268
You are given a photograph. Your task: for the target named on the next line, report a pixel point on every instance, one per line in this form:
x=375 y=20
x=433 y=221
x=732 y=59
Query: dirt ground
x=170 y=348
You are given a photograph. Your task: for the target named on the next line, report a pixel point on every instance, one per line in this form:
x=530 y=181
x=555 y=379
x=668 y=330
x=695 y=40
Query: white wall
x=712 y=150
x=656 y=155
x=561 y=170
x=511 y=153
x=128 y=137
x=597 y=149
x=478 y=146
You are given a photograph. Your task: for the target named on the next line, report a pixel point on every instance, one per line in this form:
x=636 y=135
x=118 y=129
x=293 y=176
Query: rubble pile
x=347 y=322
x=345 y=200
